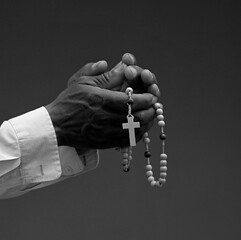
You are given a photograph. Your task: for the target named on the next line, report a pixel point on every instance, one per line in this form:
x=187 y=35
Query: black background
x=194 y=49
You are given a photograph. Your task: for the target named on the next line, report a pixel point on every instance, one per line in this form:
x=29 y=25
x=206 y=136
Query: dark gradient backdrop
x=194 y=49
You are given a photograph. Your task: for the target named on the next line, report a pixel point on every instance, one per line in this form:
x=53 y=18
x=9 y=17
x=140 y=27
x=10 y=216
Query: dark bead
x=130 y=101
x=147 y=154
x=126 y=169
x=163 y=136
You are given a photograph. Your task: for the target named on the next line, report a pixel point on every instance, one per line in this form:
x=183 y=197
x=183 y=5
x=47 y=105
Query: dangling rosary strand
x=127 y=152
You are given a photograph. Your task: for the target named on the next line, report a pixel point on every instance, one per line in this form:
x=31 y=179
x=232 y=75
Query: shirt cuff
x=38 y=146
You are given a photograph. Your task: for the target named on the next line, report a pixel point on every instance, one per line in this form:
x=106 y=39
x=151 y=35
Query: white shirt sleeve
x=30 y=157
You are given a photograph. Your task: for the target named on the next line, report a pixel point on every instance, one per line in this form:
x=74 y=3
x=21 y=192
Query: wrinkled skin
x=89 y=113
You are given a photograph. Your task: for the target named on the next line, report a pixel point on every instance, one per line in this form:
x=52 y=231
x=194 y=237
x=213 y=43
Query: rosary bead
x=150 y=179
x=163 y=162
x=130 y=158
x=125 y=161
x=158 y=105
x=129 y=90
x=161 y=123
x=125 y=155
x=147 y=154
x=163 y=136
x=158 y=184
x=126 y=169
x=163 y=156
x=163 y=168
x=163 y=175
x=153 y=183
x=148 y=167
x=124 y=150
x=145 y=134
x=160 y=117
x=147 y=140
x=149 y=173
x=162 y=180
x=159 y=111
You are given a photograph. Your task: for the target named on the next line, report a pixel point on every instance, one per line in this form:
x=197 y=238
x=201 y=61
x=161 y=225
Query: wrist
x=57 y=129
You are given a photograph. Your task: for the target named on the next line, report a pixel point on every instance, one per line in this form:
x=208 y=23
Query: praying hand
x=62 y=139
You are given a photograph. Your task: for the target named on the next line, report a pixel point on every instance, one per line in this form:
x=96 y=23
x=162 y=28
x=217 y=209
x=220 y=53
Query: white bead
x=130 y=158
x=160 y=117
x=147 y=140
x=129 y=90
x=150 y=179
x=159 y=111
x=125 y=155
x=163 y=156
x=163 y=175
x=158 y=105
x=158 y=184
x=149 y=173
x=163 y=169
x=161 y=123
x=145 y=134
x=162 y=180
x=148 y=167
x=153 y=183
x=163 y=162
x=124 y=150
x=125 y=161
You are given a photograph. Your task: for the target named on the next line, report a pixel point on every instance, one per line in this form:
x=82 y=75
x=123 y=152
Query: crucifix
x=131 y=125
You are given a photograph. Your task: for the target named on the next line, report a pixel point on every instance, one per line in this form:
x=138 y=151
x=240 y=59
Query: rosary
x=126 y=152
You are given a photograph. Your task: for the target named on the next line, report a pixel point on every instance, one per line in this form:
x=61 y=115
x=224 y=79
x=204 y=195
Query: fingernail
x=150 y=75
x=97 y=64
x=130 y=73
x=128 y=58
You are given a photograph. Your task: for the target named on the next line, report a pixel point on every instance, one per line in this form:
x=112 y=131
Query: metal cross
x=131 y=125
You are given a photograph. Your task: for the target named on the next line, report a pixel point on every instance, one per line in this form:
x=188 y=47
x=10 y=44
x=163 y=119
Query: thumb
x=113 y=78
x=90 y=69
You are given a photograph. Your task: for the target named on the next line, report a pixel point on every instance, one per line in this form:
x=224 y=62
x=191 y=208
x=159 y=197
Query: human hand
x=88 y=114
x=125 y=74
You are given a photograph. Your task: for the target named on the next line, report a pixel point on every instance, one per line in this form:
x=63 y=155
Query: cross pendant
x=131 y=125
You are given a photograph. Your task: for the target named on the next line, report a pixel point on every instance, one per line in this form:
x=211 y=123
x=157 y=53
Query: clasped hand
x=89 y=113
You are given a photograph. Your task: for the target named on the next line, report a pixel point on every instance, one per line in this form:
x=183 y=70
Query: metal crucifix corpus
x=131 y=125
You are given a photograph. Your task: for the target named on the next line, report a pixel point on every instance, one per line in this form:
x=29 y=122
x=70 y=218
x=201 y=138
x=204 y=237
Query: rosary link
x=127 y=151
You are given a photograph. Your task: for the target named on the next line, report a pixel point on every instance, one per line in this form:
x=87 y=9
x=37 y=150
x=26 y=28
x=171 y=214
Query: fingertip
x=129 y=59
x=130 y=73
x=102 y=64
x=154 y=89
x=147 y=77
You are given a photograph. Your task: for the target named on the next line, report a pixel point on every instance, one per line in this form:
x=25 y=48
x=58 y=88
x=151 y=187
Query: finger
x=143 y=101
x=154 y=89
x=90 y=69
x=145 y=116
x=133 y=72
x=112 y=79
x=140 y=80
x=148 y=77
x=118 y=100
x=130 y=73
x=129 y=59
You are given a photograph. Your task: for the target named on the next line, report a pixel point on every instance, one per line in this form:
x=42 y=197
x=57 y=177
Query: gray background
x=194 y=49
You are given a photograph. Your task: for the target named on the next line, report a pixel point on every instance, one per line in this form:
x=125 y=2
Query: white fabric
x=30 y=157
